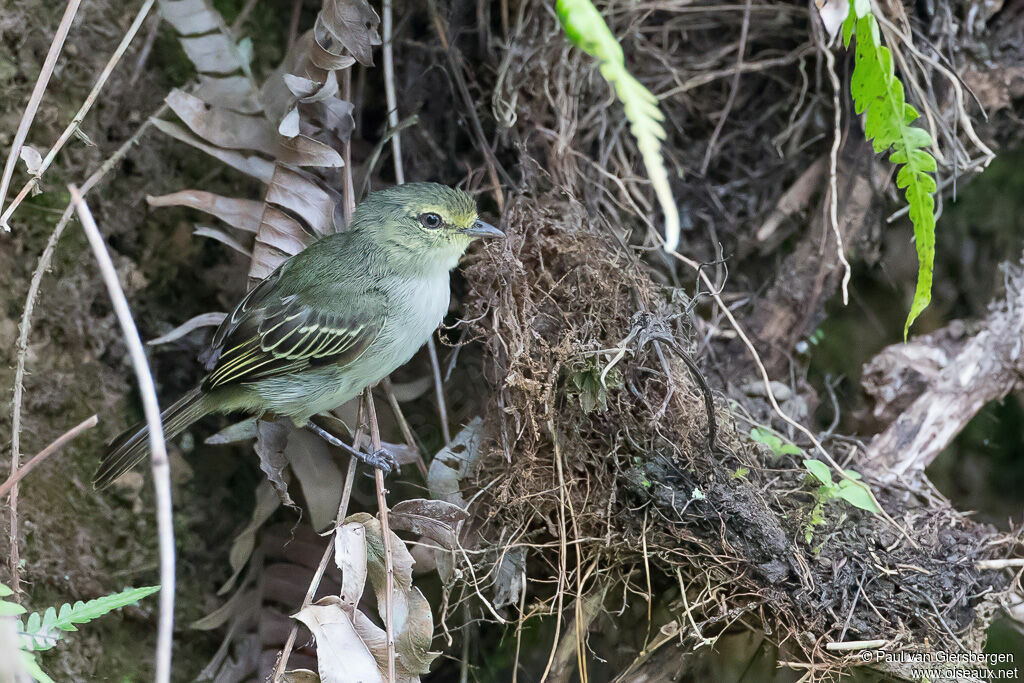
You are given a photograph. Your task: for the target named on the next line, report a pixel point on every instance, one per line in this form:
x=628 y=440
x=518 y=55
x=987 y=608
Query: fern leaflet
x=879 y=95
x=585 y=27
x=42 y=631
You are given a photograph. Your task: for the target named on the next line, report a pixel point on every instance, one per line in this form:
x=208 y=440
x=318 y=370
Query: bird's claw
x=382 y=459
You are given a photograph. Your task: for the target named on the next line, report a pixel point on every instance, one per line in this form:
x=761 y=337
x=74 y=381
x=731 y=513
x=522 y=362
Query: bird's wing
x=273 y=333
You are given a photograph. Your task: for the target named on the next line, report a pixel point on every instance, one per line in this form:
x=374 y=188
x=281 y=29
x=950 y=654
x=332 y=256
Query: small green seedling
x=585 y=384
x=41 y=631
x=852 y=490
x=775 y=442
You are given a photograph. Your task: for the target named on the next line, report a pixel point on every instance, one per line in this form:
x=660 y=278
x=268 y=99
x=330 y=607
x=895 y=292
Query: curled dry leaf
x=243 y=214
x=229 y=129
x=438 y=520
x=280 y=235
x=304 y=196
x=32 y=158
x=230 y=92
x=271 y=440
x=412 y=619
x=508 y=583
x=251 y=165
x=351 y=24
x=241 y=548
x=453 y=463
x=342 y=657
x=222 y=237
x=320 y=478
x=198 y=322
x=350 y=557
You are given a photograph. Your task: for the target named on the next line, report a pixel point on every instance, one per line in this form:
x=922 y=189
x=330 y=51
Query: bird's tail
x=132 y=447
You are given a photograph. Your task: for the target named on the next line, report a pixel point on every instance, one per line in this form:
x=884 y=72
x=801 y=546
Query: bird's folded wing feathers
x=269 y=334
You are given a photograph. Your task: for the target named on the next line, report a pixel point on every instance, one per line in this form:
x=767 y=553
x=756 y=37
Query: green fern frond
x=585 y=27
x=879 y=95
x=42 y=631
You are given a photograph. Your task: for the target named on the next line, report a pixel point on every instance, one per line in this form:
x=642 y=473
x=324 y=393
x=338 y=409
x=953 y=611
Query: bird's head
x=428 y=223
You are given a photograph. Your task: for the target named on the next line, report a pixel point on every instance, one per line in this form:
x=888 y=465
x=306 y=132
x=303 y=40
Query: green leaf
x=586 y=28
x=41 y=632
x=10 y=609
x=774 y=442
x=856 y=493
x=880 y=96
x=29 y=663
x=5 y=590
x=819 y=471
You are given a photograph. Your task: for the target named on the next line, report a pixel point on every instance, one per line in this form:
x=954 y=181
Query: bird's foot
x=381 y=459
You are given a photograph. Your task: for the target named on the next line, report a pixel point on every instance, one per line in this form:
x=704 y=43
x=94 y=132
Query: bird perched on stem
x=331 y=320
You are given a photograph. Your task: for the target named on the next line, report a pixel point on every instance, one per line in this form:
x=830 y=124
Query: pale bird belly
x=419 y=307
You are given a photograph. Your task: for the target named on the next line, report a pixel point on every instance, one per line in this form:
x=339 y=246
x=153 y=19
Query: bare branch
x=42 y=455
x=76 y=121
x=37 y=96
x=986 y=368
x=157 y=445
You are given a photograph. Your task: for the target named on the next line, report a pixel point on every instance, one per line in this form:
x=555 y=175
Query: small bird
x=330 y=321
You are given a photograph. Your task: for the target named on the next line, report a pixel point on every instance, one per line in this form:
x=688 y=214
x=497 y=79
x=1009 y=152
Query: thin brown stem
x=25 y=329
x=385 y=531
x=403 y=425
x=442 y=406
x=79 y=116
x=42 y=455
x=293 y=23
x=314 y=584
x=36 y=97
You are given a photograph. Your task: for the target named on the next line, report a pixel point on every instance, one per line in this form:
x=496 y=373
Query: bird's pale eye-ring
x=430 y=220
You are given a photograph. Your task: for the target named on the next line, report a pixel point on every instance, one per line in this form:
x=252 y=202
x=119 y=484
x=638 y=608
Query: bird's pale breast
x=416 y=307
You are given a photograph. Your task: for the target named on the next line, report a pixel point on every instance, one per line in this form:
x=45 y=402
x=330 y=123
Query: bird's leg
x=381 y=459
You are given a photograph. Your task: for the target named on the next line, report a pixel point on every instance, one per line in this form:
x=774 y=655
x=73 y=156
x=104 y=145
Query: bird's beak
x=481 y=229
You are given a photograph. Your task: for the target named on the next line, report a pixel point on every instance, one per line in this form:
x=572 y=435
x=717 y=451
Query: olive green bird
x=330 y=321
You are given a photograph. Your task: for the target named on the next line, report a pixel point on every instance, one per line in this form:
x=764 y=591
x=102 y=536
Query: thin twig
x=115 y=58
x=389 y=89
x=494 y=167
x=158 y=448
x=396 y=154
x=293 y=24
x=741 y=49
x=242 y=16
x=1014 y=562
x=403 y=425
x=833 y=170
x=318 y=575
x=385 y=532
x=442 y=406
x=147 y=49
x=766 y=381
x=562 y=549
x=25 y=328
x=37 y=96
x=45 y=453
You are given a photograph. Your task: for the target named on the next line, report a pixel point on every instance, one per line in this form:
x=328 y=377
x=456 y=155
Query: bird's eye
x=430 y=220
